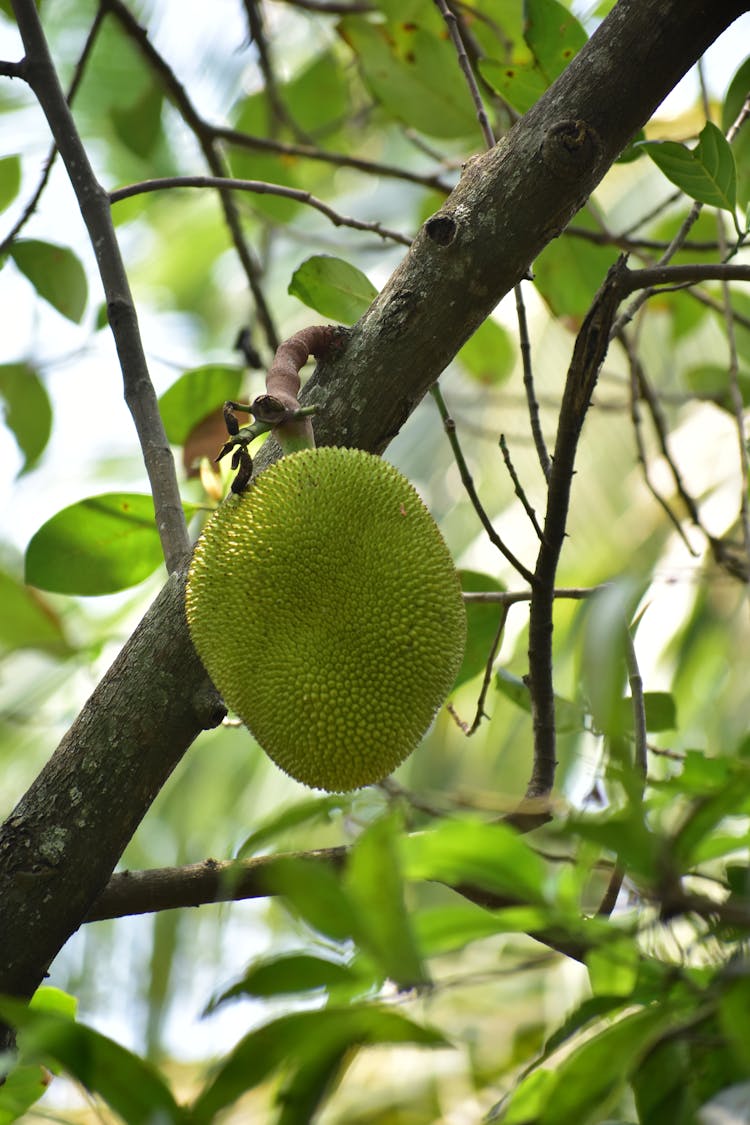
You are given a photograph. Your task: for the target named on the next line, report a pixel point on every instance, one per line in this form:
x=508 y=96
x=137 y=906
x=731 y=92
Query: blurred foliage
x=593 y=970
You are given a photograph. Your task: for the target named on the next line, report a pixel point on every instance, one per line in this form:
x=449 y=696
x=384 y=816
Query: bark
x=60 y=845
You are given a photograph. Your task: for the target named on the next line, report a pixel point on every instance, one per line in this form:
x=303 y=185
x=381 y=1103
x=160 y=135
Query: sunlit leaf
x=413 y=73
x=10 y=180
x=194 y=395
x=56 y=274
x=553 y=34
x=96 y=546
x=333 y=287
x=613 y=967
x=27 y=410
x=706 y=173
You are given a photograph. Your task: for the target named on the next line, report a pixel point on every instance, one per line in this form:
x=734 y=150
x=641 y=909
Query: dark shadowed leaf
x=333 y=287
x=96 y=546
x=56 y=274
x=27 y=410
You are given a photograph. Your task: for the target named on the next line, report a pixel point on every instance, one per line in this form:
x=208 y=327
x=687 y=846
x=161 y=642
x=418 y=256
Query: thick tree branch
x=60 y=845
x=140 y=396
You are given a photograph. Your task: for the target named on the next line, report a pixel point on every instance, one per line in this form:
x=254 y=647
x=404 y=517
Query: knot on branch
x=571 y=149
x=441 y=229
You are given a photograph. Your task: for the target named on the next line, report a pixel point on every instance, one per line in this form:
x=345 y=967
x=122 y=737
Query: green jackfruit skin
x=325 y=607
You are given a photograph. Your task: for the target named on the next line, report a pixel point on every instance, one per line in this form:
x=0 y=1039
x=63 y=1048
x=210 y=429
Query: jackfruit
x=325 y=607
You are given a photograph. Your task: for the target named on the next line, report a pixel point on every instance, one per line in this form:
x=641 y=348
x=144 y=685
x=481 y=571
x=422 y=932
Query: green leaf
x=553 y=34
x=412 y=72
x=195 y=395
x=446 y=929
x=290 y=973
x=570 y=269
x=332 y=287
x=138 y=125
x=710 y=380
x=301 y=1039
x=482 y=620
x=661 y=712
x=490 y=856
x=706 y=173
x=374 y=883
x=613 y=967
x=304 y=812
x=56 y=274
x=23 y=1086
x=489 y=355
x=27 y=621
x=28 y=412
x=10 y=180
x=569 y=716
x=129 y=1085
x=312 y=890
x=96 y=546
x=521 y=84
x=606 y=617
x=733 y=101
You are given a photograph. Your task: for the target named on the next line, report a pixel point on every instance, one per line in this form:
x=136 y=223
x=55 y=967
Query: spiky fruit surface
x=327 y=611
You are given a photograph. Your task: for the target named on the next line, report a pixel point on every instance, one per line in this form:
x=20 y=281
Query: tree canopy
x=537 y=277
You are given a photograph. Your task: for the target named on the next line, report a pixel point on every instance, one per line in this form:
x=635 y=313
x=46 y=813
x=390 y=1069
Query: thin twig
x=270 y=85
x=341 y=160
x=488 y=668
x=518 y=487
x=510 y=597
x=211 y=153
x=465 y=64
x=468 y=483
x=258 y=187
x=528 y=383
x=94 y=204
